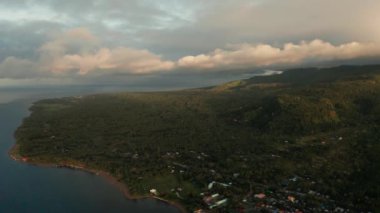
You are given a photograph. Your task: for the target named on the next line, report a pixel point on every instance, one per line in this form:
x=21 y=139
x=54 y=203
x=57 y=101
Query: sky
x=180 y=43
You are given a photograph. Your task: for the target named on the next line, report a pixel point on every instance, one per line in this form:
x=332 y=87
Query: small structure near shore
x=154 y=192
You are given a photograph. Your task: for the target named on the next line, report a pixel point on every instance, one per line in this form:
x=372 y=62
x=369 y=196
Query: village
x=225 y=190
x=241 y=182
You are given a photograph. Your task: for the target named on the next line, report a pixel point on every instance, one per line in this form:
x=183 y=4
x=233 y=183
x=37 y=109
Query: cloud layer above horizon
x=96 y=40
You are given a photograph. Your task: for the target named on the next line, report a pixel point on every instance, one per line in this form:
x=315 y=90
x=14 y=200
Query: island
x=306 y=140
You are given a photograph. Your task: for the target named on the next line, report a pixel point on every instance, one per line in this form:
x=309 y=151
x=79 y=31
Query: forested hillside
x=308 y=139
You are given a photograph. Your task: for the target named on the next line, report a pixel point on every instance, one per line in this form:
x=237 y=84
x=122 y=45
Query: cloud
x=274 y=22
x=79 y=53
x=123 y=60
x=174 y=28
x=125 y=40
x=264 y=55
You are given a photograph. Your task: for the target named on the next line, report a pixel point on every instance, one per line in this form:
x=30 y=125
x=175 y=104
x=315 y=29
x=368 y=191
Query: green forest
x=306 y=140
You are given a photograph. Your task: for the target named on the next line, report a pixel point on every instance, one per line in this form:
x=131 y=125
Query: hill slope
x=310 y=134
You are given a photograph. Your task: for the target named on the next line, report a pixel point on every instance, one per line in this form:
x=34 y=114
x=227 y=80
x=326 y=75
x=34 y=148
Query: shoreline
x=13 y=153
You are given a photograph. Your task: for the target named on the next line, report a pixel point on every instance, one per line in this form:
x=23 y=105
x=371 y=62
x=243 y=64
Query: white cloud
x=121 y=59
x=77 y=52
x=263 y=55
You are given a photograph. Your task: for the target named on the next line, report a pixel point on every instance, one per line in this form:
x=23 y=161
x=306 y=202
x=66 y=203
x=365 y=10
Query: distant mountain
x=307 y=76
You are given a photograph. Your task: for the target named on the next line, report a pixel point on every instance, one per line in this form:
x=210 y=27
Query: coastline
x=13 y=153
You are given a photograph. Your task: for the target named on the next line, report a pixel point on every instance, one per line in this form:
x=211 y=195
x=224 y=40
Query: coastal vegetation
x=307 y=139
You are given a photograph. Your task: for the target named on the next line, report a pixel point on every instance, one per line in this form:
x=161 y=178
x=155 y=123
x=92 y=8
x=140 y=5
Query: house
x=211 y=185
x=154 y=192
x=236 y=175
x=260 y=196
x=180 y=165
x=210 y=200
x=215 y=201
x=219 y=203
x=291 y=198
x=178 y=195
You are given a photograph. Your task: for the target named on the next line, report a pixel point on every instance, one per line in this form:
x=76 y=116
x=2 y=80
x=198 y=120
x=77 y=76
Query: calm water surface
x=27 y=188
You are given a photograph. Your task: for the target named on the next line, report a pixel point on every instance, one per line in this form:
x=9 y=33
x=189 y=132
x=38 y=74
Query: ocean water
x=27 y=188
